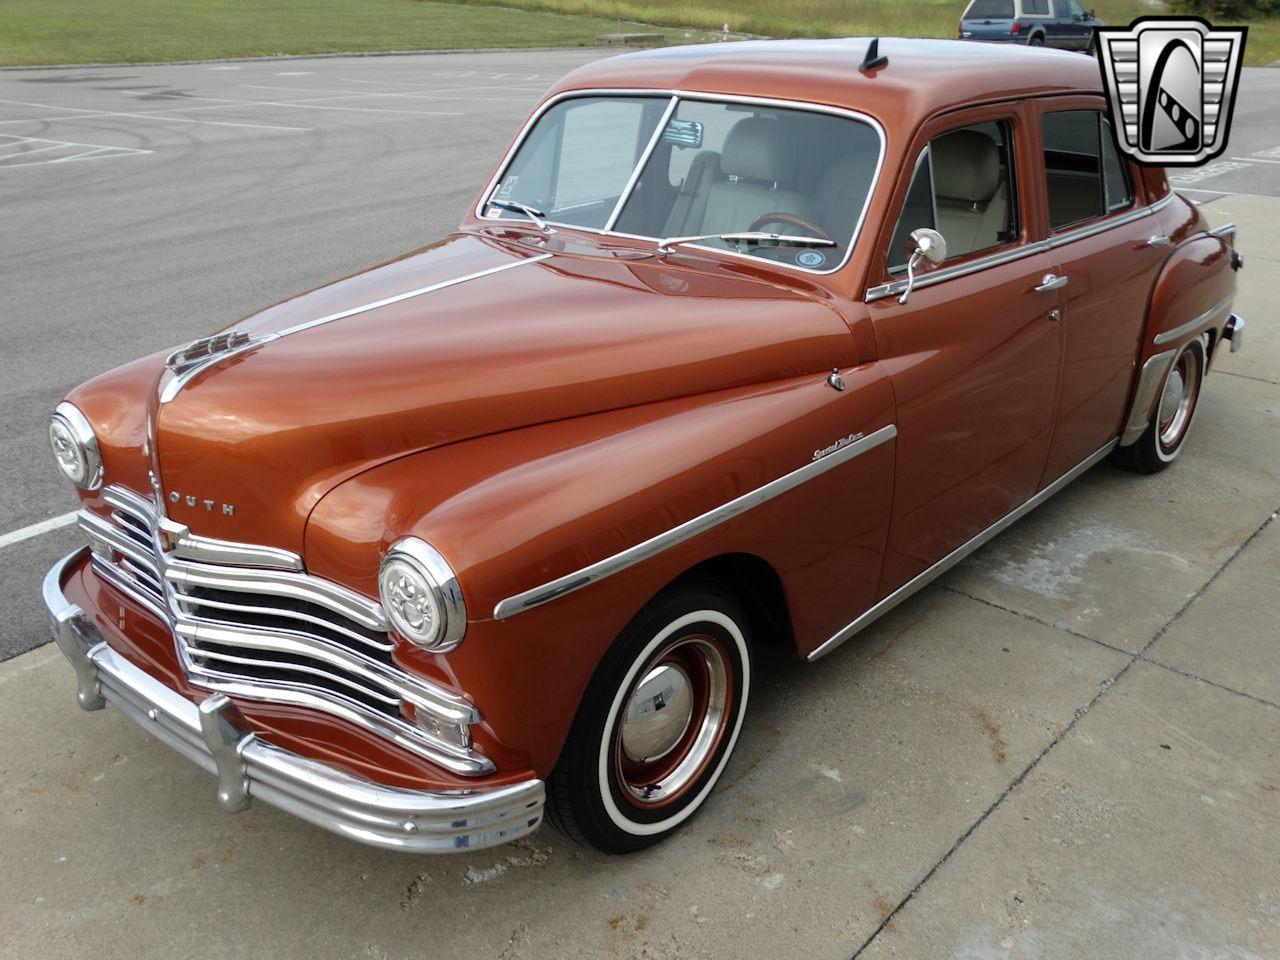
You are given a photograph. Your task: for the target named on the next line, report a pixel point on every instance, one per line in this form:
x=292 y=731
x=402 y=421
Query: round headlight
x=421 y=596
x=75 y=447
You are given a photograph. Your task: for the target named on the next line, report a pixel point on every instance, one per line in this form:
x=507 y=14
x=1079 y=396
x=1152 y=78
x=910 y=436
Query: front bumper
x=215 y=736
x=1233 y=332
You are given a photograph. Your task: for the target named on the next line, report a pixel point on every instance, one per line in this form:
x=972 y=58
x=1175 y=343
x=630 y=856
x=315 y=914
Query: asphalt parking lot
x=1065 y=748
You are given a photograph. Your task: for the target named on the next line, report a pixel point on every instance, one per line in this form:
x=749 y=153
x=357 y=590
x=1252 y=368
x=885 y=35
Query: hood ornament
x=185 y=363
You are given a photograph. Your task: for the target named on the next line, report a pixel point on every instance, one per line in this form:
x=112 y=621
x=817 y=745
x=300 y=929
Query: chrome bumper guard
x=214 y=735
x=1234 y=331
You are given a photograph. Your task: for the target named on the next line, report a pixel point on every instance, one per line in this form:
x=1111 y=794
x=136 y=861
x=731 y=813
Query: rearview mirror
x=927 y=245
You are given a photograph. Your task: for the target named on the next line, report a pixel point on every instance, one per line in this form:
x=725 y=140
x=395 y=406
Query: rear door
x=1109 y=252
x=973 y=354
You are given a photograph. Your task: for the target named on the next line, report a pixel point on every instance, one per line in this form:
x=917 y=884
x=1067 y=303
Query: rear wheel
x=1037 y=40
x=658 y=722
x=1175 y=411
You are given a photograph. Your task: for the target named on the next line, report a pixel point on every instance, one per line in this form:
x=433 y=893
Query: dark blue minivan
x=1051 y=23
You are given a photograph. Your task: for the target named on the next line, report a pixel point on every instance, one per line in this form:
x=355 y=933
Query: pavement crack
x=1081 y=712
x=1040 y=620
x=1213 y=683
x=1245 y=376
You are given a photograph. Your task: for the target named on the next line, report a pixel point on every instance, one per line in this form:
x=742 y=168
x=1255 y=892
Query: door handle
x=1159 y=241
x=1051 y=282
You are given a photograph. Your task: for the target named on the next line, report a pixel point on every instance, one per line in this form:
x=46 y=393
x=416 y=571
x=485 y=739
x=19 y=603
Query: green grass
x=38 y=32
x=845 y=18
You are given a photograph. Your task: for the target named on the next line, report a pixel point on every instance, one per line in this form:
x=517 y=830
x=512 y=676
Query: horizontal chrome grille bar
x=265 y=629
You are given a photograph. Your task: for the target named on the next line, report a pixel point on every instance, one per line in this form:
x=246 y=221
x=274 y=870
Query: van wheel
x=657 y=724
x=1175 y=411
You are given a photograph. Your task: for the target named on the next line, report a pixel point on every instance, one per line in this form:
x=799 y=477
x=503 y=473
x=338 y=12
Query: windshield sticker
x=811 y=258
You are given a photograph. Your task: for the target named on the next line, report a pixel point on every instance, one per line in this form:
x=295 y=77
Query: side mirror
x=927 y=245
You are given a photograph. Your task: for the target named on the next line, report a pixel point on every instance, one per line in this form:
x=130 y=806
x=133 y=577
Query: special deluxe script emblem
x=838 y=445
x=228 y=509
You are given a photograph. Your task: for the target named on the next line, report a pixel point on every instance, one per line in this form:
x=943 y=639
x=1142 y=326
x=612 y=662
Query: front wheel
x=658 y=722
x=1175 y=411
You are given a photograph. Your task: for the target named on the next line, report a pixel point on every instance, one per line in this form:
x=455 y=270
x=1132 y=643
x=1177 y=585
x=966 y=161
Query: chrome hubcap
x=658 y=714
x=672 y=721
x=1177 y=399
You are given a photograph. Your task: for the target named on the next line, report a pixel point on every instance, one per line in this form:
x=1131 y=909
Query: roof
x=922 y=76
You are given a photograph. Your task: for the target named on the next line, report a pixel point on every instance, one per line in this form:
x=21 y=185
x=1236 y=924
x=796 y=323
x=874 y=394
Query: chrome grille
x=257 y=625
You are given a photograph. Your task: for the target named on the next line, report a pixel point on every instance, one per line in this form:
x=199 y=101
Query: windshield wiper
x=755 y=237
x=533 y=213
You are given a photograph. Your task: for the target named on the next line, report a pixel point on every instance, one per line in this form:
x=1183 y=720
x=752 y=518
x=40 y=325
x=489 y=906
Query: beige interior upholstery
x=757 y=165
x=971 y=195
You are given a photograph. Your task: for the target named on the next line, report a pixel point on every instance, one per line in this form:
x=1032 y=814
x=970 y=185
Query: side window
x=1035 y=8
x=1115 y=177
x=965 y=188
x=1085 y=177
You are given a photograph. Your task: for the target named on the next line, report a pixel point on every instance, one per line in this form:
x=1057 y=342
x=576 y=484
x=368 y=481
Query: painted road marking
x=152 y=115
x=15 y=151
x=36 y=529
x=1184 y=177
x=1255 y=160
x=300 y=104
x=451 y=93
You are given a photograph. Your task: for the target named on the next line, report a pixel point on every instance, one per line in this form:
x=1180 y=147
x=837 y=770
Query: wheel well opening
x=759 y=588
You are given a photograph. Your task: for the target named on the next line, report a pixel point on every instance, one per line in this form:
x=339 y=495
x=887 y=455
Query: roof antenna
x=873 y=60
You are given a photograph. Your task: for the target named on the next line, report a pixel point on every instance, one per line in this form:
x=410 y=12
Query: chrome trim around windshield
x=171 y=385
x=1015 y=253
x=607 y=567
x=676 y=96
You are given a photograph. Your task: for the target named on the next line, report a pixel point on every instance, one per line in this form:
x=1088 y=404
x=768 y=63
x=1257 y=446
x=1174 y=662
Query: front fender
x=515 y=510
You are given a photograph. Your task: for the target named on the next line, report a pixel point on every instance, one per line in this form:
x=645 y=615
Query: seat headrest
x=966 y=166
x=759 y=149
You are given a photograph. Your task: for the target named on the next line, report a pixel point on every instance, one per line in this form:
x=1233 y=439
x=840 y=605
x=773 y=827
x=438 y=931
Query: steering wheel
x=790 y=219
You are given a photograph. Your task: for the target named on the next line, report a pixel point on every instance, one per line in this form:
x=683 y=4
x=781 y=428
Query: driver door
x=974 y=353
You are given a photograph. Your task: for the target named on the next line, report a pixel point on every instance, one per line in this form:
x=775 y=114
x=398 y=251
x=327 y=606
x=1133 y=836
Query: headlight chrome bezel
x=74 y=426
x=418 y=561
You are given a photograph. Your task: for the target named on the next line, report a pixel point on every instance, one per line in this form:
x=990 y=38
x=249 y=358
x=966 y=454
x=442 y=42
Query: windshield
x=713 y=168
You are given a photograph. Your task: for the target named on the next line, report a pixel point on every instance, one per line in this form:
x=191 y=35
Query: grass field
x=37 y=32
x=845 y=18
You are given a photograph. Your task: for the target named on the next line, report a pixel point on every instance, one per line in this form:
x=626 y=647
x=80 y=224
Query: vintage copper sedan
x=742 y=344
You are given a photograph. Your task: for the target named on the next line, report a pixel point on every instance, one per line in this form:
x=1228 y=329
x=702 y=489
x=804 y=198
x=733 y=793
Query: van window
x=989 y=10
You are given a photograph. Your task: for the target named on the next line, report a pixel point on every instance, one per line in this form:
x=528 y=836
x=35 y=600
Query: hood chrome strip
x=689 y=529
x=172 y=385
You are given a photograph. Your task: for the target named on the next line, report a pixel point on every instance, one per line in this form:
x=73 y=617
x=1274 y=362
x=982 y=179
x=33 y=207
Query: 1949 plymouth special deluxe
x=741 y=344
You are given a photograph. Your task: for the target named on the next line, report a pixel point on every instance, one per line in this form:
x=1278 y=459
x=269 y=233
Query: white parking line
x=453 y=93
x=36 y=529
x=88 y=151
x=304 y=105
x=92 y=114
x=1255 y=160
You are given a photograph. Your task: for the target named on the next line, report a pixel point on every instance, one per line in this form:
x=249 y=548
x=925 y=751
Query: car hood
x=468 y=337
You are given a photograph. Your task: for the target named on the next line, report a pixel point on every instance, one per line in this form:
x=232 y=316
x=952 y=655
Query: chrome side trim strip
x=1224 y=230
x=687 y=530
x=172 y=385
x=214 y=736
x=1191 y=325
x=1017 y=253
x=956 y=555
x=1144 y=396
x=691 y=95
